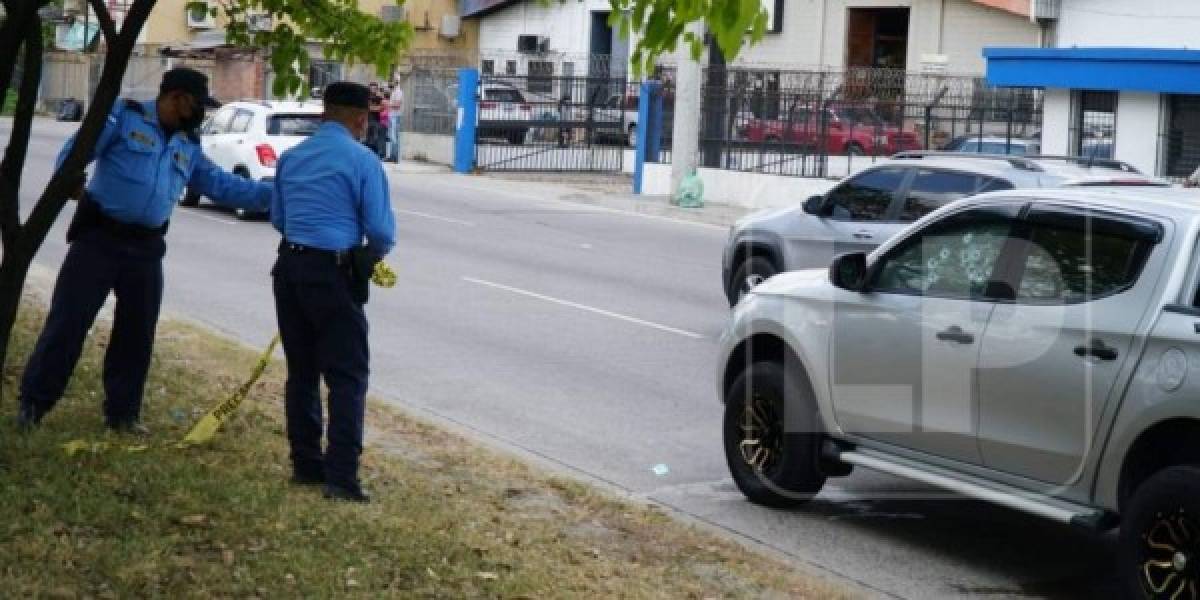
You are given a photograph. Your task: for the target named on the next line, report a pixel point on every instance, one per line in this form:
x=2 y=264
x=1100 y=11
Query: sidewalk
x=612 y=192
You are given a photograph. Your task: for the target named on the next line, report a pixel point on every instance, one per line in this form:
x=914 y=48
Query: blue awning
x=1116 y=69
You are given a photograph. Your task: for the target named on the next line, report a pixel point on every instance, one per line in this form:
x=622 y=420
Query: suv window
x=220 y=122
x=931 y=189
x=866 y=197
x=297 y=125
x=954 y=258
x=1075 y=262
x=503 y=95
x=241 y=121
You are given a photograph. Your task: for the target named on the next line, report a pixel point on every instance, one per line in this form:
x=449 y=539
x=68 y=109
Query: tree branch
x=18 y=142
x=106 y=21
x=11 y=37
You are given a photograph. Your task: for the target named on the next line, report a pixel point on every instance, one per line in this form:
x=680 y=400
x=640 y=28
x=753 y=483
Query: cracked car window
x=956 y=263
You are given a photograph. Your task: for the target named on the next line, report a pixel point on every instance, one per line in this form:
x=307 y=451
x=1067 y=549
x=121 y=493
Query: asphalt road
x=585 y=337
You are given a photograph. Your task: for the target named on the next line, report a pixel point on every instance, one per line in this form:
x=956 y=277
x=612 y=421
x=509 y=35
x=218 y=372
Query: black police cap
x=348 y=94
x=189 y=81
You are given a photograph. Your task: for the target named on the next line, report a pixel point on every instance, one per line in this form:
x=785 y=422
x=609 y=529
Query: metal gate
x=547 y=123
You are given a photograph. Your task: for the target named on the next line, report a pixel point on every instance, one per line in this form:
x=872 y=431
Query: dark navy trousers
x=324 y=334
x=97 y=263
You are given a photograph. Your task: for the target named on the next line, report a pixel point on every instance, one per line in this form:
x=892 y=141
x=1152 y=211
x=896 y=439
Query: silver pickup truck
x=1036 y=348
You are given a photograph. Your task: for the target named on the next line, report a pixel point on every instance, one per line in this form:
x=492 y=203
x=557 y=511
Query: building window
x=541 y=73
x=489 y=67
x=510 y=67
x=1095 y=124
x=568 y=69
x=1183 y=136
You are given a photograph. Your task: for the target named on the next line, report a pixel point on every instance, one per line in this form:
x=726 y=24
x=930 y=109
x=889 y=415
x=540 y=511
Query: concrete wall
x=1056 y=122
x=1144 y=23
x=434 y=148
x=814 y=33
x=1136 y=136
x=749 y=190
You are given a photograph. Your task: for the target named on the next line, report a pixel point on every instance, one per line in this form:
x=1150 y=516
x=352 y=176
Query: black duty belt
x=88 y=215
x=339 y=257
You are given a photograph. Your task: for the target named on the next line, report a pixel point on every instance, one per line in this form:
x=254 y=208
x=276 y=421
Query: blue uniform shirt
x=140 y=173
x=331 y=192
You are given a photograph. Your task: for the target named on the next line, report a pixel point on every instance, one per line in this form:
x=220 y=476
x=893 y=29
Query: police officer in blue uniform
x=331 y=195
x=145 y=156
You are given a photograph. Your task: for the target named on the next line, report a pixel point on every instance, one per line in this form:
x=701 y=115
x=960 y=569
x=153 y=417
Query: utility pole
x=715 y=106
x=685 y=133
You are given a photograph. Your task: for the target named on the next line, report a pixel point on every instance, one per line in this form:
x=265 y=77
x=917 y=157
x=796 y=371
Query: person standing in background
x=396 y=118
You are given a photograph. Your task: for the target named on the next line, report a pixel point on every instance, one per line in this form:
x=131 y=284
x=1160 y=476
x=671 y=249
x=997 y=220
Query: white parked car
x=247 y=137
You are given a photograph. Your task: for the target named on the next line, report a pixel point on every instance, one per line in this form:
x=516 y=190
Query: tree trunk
x=13 y=269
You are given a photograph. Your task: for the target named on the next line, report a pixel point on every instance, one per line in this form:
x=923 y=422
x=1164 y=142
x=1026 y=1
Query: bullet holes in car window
x=956 y=262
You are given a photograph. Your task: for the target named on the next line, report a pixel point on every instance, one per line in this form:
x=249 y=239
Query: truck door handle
x=1096 y=348
x=863 y=235
x=955 y=334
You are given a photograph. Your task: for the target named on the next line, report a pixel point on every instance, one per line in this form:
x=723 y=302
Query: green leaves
x=344 y=32
x=659 y=25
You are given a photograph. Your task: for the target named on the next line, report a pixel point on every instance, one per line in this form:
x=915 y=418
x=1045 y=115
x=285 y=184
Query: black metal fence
x=431 y=100
x=828 y=124
x=541 y=122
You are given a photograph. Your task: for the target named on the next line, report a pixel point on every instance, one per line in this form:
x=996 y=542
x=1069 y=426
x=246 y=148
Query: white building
x=943 y=36
x=526 y=37
x=1121 y=78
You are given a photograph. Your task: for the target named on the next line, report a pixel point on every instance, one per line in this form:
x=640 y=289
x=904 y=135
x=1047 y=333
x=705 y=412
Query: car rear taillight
x=266 y=155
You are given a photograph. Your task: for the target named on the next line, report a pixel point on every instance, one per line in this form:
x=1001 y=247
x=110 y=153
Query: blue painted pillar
x=649 y=130
x=464 y=127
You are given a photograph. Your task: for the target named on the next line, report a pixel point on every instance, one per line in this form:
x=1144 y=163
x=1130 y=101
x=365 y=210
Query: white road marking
x=209 y=217
x=434 y=217
x=584 y=307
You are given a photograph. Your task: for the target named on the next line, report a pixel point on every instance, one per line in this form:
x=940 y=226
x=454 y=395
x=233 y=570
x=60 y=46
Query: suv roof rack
x=1018 y=162
x=1085 y=161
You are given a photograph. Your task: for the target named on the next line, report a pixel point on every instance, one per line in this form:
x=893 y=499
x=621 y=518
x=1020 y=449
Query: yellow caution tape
x=383 y=275
x=206 y=428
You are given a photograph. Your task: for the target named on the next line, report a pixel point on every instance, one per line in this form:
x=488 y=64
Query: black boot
x=346 y=493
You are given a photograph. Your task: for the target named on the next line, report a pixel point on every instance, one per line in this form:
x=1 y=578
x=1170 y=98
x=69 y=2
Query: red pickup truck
x=852 y=130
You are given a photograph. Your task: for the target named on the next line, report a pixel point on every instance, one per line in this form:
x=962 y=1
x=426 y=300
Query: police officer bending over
x=331 y=193
x=145 y=156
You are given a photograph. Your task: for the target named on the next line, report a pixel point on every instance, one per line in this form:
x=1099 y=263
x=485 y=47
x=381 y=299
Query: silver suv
x=1039 y=349
x=866 y=209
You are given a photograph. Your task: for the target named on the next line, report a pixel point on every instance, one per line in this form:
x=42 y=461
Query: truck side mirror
x=815 y=205
x=849 y=271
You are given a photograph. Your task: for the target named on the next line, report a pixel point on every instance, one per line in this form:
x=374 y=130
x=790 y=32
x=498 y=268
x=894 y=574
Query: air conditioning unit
x=451 y=25
x=259 y=22
x=533 y=44
x=392 y=14
x=199 y=16
x=1045 y=10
